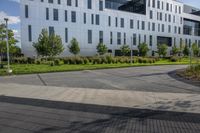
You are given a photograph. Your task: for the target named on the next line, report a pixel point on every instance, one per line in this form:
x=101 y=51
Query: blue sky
x=11 y=9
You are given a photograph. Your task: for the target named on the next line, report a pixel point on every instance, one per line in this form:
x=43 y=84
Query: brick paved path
x=20 y=115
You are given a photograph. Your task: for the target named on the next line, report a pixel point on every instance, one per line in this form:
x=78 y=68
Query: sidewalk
x=176 y=102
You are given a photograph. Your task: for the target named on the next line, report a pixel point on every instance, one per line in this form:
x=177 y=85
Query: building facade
x=112 y=22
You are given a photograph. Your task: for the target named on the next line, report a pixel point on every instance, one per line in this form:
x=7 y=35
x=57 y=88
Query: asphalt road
x=149 y=79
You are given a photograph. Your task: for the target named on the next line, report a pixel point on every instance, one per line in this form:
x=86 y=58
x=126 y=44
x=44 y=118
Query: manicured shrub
x=109 y=59
x=104 y=60
x=66 y=60
x=140 y=60
x=72 y=61
x=38 y=61
x=97 y=61
x=86 y=61
x=30 y=60
x=79 y=61
x=174 y=59
x=20 y=60
x=51 y=63
x=57 y=62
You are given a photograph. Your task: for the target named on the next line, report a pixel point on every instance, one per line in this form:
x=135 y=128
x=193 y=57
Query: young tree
x=143 y=49
x=175 y=50
x=11 y=40
x=102 y=49
x=162 y=49
x=125 y=49
x=186 y=50
x=74 y=47
x=195 y=49
x=56 y=46
x=48 y=45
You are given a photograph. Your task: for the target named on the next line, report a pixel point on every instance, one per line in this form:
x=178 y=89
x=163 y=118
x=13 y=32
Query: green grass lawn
x=33 y=68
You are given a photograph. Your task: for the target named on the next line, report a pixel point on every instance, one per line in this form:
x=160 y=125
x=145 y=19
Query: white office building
x=113 y=22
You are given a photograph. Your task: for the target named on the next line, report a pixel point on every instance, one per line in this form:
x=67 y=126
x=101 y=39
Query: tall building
x=113 y=22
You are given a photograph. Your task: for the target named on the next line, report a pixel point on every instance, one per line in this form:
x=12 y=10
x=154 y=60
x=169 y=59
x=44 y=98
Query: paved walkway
x=39 y=108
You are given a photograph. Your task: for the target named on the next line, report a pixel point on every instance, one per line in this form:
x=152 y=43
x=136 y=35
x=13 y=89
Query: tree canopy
x=74 y=47
x=162 y=49
x=125 y=49
x=102 y=49
x=11 y=41
x=143 y=49
x=48 y=45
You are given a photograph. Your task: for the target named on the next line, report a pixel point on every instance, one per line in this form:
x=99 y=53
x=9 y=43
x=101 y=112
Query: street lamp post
x=7 y=45
x=131 y=50
x=190 y=56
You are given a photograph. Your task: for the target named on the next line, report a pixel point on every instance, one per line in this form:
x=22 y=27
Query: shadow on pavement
x=118 y=119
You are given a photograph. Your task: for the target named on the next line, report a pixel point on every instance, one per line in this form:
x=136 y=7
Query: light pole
x=190 y=55
x=131 y=50
x=7 y=45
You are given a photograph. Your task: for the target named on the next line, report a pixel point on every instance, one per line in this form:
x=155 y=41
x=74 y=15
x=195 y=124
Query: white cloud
x=12 y=19
x=15 y=1
x=17 y=36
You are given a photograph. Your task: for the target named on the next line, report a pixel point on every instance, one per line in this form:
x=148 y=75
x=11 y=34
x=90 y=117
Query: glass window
x=50 y=1
x=111 y=38
x=29 y=33
x=131 y=24
x=122 y=23
x=89 y=4
x=151 y=14
x=97 y=19
x=139 y=39
x=167 y=6
x=101 y=5
x=73 y=16
x=55 y=14
x=47 y=13
x=149 y=26
x=59 y=2
x=169 y=19
x=118 y=38
x=138 y=24
x=84 y=18
x=169 y=28
x=26 y=11
x=89 y=36
x=69 y=2
x=51 y=30
x=153 y=26
x=76 y=3
x=66 y=16
x=153 y=3
x=134 y=39
x=143 y=25
x=92 y=18
x=163 y=28
x=116 y=22
x=124 y=38
x=100 y=36
x=109 y=20
x=150 y=40
x=158 y=4
x=66 y=35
